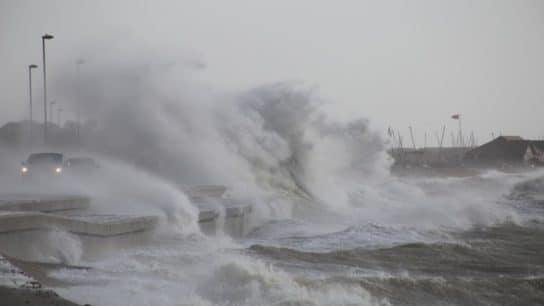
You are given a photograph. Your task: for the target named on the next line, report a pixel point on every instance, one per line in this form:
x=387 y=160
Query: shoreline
x=18 y=288
x=14 y=296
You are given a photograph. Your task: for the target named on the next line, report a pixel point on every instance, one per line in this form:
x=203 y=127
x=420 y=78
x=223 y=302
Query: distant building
x=509 y=150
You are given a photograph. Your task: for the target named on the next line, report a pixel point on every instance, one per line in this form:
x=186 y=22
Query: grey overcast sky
x=398 y=63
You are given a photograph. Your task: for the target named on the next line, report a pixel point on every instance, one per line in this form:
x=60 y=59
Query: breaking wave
x=273 y=142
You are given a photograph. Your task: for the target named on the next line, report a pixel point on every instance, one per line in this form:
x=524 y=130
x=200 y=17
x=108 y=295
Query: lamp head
x=48 y=36
x=32 y=66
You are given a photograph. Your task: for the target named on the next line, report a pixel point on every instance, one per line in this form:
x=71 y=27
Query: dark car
x=45 y=164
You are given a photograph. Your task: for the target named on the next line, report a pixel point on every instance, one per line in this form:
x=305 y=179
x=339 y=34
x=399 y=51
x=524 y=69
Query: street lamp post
x=44 y=37
x=30 y=67
x=79 y=62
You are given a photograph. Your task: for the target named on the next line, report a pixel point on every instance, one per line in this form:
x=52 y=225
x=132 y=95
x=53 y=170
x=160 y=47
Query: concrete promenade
x=30 y=225
x=23 y=212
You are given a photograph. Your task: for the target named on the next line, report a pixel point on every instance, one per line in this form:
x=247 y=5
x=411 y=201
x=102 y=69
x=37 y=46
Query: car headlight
x=58 y=170
x=24 y=169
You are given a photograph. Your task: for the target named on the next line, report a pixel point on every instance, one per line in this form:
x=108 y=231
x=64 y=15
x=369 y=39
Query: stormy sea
x=448 y=248
x=331 y=224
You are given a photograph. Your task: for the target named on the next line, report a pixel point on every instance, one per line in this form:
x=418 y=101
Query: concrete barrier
x=42 y=202
x=32 y=212
x=28 y=223
x=68 y=248
x=229 y=216
x=93 y=225
x=36 y=235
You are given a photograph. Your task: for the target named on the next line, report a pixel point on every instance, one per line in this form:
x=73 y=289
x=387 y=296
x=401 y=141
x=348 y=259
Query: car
x=43 y=164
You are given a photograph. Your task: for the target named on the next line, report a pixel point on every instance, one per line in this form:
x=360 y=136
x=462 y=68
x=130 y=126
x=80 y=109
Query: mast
x=425 y=140
x=400 y=146
x=412 y=136
x=441 y=143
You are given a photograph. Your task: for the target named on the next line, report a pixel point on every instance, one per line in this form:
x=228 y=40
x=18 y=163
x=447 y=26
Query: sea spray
x=269 y=139
x=61 y=247
x=275 y=139
x=120 y=188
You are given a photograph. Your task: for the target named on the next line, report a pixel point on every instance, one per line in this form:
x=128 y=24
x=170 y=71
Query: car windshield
x=40 y=158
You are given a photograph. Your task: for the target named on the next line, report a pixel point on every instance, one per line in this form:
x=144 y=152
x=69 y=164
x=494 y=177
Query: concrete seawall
x=232 y=219
x=33 y=227
x=91 y=225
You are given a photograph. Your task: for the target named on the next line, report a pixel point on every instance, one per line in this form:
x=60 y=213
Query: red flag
x=455 y=116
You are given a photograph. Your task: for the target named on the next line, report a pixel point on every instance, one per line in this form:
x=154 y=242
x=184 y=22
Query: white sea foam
x=201 y=272
x=64 y=247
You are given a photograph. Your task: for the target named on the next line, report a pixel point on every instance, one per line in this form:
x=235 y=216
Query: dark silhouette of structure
x=509 y=150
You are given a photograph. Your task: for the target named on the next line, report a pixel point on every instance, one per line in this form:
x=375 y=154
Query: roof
x=511 y=138
x=511 y=148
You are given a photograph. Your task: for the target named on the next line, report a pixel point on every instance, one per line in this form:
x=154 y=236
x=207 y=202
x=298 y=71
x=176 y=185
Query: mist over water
x=330 y=218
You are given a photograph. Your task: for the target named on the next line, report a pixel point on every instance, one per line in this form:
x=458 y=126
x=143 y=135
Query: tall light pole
x=44 y=37
x=51 y=110
x=79 y=62
x=30 y=67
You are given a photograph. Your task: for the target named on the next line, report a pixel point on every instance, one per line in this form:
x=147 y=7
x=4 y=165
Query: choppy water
x=333 y=259
x=497 y=265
